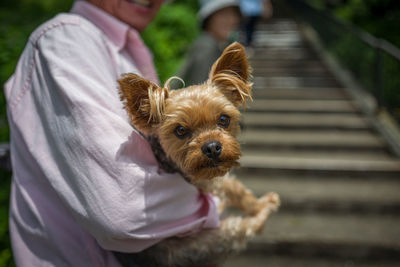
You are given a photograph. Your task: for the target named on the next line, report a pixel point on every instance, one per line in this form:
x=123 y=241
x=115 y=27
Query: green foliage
x=379 y=17
x=170 y=34
x=318 y=4
x=356 y=56
x=391 y=84
x=5 y=248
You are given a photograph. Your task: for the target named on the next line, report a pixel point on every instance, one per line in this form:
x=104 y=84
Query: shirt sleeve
x=72 y=121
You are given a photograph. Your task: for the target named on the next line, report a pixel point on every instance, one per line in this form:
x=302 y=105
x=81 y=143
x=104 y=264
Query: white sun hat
x=208 y=7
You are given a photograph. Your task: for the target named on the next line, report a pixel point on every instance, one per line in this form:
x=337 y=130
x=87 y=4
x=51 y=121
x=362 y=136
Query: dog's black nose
x=212 y=149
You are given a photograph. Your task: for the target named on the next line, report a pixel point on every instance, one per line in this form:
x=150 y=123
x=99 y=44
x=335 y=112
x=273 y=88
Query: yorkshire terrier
x=193 y=131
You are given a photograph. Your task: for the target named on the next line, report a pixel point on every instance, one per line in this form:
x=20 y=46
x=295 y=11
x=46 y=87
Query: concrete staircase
x=305 y=138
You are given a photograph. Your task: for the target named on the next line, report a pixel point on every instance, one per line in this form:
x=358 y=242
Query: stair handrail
x=384 y=91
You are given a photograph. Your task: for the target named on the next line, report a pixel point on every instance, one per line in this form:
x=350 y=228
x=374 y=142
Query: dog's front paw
x=268 y=204
x=270 y=201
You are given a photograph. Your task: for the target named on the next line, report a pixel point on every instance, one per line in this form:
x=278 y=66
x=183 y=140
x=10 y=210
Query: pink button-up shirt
x=84 y=182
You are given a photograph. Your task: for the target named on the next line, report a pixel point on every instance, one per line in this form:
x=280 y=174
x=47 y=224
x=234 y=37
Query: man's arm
x=101 y=169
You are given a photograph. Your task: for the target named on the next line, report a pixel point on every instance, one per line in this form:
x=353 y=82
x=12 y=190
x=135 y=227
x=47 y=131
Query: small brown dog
x=193 y=131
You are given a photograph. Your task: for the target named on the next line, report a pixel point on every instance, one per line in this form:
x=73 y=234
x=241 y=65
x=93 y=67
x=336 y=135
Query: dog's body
x=193 y=131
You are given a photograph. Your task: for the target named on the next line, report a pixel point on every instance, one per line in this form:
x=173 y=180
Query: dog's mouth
x=217 y=164
x=211 y=164
x=212 y=169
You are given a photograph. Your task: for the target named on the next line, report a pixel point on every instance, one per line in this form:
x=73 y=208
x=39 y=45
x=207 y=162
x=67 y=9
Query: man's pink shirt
x=84 y=181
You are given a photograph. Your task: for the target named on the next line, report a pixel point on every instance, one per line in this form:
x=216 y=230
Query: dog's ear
x=143 y=100
x=231 y=73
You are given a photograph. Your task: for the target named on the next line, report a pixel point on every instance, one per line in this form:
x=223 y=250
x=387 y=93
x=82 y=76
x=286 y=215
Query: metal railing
x=374 y=62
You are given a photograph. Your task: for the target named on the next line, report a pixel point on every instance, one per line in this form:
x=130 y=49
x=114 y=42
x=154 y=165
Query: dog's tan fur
x=200 y=112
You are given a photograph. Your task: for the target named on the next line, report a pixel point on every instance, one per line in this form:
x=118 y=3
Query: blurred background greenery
x=375 y=69
x=381 y=18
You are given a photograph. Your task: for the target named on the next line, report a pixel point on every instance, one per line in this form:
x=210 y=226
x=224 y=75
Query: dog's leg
x=234 y=193
x=206 y=247
x=255 y=224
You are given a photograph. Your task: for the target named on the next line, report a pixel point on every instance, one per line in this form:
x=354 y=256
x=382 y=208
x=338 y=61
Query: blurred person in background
x=252 y=12
x=219 y=20
x=84 y=181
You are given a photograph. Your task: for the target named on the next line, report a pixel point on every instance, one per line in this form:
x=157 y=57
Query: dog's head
x=197 y=126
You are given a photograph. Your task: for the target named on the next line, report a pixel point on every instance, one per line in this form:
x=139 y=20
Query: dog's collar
x=164 y=161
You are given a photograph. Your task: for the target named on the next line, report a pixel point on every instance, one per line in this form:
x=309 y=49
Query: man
x=84 y=181
x=219 y=20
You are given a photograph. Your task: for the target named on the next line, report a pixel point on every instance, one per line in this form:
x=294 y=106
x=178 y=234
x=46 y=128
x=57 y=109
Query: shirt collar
x=114 y=29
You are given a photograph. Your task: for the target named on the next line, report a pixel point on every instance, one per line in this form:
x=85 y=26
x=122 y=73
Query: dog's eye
x=181 y=132
x=224 y=121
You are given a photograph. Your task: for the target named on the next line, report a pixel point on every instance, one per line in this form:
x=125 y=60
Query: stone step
x=290 y=154
x=320 y=106
x=273 y=140
x=304 y=121
x=274 y=32
x=329 y=194
x=285 y=71
x=260 y=92
x=262 y=259
x=270 y=39
x=278 y=25
x=290 y=64
x=300 y=163
x=368 y=237
x=283 y=53
x=358 y=233
x=304 y=56
x=295 y=81
x=283 y=49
